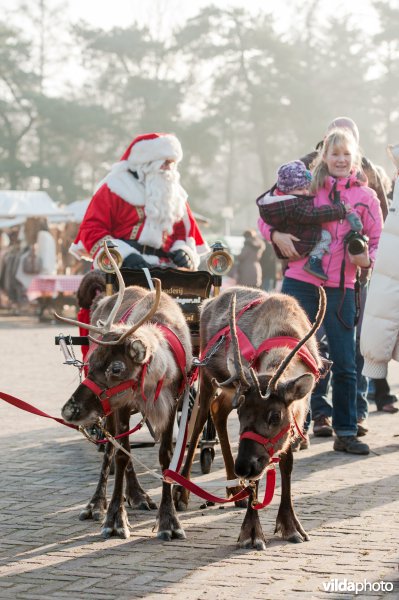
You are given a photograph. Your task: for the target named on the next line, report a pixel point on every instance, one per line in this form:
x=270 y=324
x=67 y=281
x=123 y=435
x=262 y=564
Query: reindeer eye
x=274 y=418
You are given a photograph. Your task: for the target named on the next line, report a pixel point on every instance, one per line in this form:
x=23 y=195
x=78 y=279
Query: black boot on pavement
x=322 y=427
x=350 y=444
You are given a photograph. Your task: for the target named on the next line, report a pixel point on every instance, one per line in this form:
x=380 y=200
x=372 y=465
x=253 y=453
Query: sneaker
x=322 y=427
x=362 y=428
x=351 y=444
x=313 y=266
x=301 y=443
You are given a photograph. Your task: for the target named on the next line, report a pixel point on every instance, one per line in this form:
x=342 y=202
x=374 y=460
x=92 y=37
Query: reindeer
x=269 y=401
x=137 y=365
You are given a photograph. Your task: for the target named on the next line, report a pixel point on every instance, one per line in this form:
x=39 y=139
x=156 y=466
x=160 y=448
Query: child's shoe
x=313 y=266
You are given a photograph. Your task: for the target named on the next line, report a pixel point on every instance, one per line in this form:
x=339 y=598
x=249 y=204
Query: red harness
x=104 y=394
x=252 y=354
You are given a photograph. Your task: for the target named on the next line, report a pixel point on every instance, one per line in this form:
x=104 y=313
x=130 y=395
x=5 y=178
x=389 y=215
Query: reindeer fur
x=277 y=315
x=110 y=365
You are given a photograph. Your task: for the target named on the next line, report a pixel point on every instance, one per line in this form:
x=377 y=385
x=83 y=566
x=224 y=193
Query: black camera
x=356 y=242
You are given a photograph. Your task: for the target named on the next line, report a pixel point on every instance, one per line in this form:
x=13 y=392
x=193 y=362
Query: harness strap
x=251 y=435
x=32 y=409
x=105 y=394
x=291 y=342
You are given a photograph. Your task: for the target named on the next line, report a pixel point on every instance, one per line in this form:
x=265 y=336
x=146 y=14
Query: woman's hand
x=284 y=243
x=361 y=260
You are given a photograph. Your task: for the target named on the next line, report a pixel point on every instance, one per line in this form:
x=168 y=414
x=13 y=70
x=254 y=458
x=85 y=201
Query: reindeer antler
x=239 y=374
x=102 y=327
x=284 y=364
x=149 y=314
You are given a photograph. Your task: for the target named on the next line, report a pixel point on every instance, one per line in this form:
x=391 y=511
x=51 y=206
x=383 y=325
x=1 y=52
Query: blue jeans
x=340 y=332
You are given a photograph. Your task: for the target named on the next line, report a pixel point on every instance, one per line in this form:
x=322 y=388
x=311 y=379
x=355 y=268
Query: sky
x=120 y=12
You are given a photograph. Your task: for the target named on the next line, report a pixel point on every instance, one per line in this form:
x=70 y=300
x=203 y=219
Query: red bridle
x=268 y=443
x=104 y=394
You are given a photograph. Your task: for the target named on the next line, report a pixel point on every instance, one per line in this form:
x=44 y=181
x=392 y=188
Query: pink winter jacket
x=365 y=202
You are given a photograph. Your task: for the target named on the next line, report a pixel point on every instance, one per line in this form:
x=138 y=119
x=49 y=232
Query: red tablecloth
x=52 y=285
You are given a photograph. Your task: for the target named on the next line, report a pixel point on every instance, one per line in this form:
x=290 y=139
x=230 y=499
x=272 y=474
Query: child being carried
x=289 y=208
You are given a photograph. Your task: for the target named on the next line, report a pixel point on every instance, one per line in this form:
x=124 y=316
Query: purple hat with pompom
x=293 y=175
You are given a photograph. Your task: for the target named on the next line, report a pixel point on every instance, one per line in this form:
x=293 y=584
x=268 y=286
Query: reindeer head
x=116 y=363
x=265 y=403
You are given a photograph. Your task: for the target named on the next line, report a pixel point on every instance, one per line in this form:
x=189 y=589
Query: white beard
x=165 y=201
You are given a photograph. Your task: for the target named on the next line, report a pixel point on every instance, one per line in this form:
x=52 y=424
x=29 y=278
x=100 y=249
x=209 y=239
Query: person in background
x=248 y=269
x=335 y=179
x=268 y=263
x=379 y=340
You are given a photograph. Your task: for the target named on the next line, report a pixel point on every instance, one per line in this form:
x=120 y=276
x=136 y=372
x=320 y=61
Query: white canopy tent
x=15 y=203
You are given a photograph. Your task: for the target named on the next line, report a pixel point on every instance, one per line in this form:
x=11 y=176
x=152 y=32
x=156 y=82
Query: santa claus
x=141 y=206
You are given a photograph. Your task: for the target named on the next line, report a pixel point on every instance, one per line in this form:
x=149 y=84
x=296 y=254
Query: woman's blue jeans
x=341 y=344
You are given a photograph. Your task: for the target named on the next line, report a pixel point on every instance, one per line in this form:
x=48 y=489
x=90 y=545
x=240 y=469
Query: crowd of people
x=325 y=217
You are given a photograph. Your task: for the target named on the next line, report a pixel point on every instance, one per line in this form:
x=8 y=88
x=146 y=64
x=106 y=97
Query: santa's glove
x=181 y=259
x=134 y=261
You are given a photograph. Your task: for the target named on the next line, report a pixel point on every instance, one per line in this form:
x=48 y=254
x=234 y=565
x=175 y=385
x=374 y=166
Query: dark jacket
x=298 y=216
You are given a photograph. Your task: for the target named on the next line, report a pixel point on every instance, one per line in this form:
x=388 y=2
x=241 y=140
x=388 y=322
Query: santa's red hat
x=151 y=147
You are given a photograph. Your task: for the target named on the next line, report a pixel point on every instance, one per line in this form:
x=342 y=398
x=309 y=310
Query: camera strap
x=342 y=288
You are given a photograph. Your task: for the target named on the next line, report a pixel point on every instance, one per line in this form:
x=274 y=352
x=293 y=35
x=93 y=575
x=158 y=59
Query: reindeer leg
x=168 y=523
x=220 y=410
x=181 y=494
x=135 y=495
x=251 y=534
x=116 y=521
x=97 y=506
x=287 y=521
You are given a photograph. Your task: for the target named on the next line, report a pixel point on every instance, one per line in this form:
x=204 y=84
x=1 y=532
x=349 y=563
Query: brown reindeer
x=268 y=402
x=133 y=367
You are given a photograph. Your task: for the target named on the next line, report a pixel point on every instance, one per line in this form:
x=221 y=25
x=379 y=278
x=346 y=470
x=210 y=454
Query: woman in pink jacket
x=335 y=180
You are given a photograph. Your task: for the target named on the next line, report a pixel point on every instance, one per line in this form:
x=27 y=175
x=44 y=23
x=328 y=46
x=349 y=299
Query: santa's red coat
x=110 y=216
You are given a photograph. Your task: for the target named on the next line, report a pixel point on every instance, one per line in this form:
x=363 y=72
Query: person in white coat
x=379 y=340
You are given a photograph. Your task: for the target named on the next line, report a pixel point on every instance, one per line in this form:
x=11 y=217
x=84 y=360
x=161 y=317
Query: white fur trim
x=123 y=184
x=79 y=251
x=189 y=247
x=161 y=148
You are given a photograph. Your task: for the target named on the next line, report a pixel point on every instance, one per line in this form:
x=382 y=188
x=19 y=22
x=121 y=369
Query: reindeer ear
x=295 y=389
x=138 y=351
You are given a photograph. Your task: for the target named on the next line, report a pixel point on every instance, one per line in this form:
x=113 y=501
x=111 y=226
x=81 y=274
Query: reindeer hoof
x=98 y=515
x=106 y=532
x=123 y=532
x=296 y=538
x=146 y=506
x=85 y=514
x=165 y=536
x=241 y=503
x=179 y=534
x=248 y=544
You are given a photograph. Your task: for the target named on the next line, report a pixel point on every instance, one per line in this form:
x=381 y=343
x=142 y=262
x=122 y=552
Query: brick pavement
x=348 y=505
